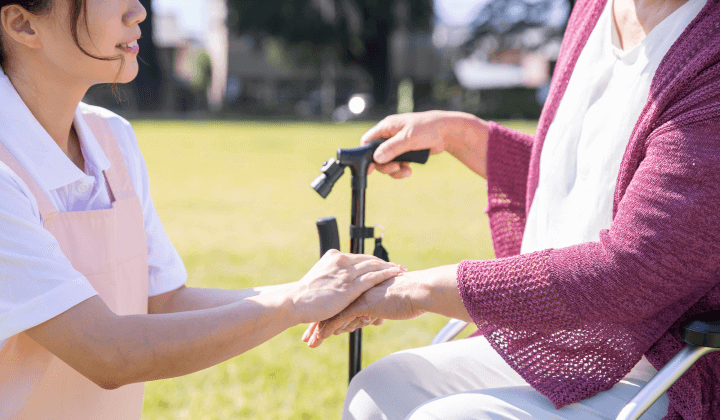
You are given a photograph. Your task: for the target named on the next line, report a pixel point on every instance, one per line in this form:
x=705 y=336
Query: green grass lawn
x=235 y=200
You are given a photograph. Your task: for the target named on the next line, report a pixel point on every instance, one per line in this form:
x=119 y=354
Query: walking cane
x=358 y=159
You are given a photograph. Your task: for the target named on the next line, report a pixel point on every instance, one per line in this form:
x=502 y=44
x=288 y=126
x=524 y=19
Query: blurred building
x=265 y=77
x=217 y=47
x=413 y=59
x=502 y=62
x=498 y=66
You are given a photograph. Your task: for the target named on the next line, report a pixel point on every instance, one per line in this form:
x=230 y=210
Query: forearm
x=467 y=140
x=150 y=347
x=438 y=292
x=193 y=298
x=113 y=350
x=137 y=348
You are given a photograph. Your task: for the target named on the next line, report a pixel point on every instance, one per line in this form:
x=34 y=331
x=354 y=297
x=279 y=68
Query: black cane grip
x=329 y=237
x=415 y=156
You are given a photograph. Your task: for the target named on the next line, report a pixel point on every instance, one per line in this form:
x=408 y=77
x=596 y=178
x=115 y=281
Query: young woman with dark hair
x=93 y=299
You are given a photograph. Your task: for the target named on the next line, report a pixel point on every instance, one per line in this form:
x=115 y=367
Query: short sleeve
x=37 y=281
x=166 y=270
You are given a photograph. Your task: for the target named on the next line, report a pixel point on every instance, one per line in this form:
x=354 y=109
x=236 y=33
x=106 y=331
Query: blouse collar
x=35 y=150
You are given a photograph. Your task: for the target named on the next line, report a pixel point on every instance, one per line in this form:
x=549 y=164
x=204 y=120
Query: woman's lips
x=130 y=47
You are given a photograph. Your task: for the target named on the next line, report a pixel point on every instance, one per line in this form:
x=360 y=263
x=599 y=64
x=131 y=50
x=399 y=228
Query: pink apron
x=109 y=248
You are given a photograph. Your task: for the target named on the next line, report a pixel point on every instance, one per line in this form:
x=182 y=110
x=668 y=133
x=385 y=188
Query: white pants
x=467 y=379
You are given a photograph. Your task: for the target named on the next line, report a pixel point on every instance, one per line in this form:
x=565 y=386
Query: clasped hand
x=395 y=299
x=336 y=281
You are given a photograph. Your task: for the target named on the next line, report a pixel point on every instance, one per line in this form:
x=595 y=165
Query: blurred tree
x=510 y=17
x=513 y=16
x=148 y=83
x=351 y=31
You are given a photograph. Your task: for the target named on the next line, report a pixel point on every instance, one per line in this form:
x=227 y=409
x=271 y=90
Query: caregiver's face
x=107 y=30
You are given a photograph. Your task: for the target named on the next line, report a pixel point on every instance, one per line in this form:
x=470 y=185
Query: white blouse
x=585 y=143
x=37 y=282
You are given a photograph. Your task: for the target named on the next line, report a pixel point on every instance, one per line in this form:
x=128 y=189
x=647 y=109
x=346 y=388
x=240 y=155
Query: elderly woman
x=606 y=225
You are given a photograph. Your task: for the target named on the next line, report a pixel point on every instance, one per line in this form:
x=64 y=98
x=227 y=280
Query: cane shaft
x=357 y=246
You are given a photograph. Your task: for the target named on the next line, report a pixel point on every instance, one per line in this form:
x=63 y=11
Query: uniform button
x=82 y=188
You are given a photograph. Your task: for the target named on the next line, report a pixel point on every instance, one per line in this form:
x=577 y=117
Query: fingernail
x=305 y=335
x=404 y=268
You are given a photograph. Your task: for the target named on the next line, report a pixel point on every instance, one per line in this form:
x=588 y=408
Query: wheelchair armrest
x=704 y=330
x=702 y=333
x=449 y=331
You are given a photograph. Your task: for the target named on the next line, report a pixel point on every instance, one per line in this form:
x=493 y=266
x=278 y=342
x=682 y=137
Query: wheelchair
x=702 y=335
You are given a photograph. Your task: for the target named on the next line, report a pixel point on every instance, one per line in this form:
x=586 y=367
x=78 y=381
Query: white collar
x=35 y=150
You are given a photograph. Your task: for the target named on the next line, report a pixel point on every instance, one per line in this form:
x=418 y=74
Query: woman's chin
x=128 y=74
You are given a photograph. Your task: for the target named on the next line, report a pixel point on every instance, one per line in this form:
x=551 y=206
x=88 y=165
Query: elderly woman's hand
x=462 y=135
x=393 y=299
x=336 y=281
x=406 y=296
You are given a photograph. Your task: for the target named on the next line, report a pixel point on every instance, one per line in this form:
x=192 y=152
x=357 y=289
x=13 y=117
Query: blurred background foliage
x=306 y=59
x=351 y=32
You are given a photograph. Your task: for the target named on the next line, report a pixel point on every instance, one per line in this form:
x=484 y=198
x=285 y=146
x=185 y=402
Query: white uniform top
x=37 y=282
x=585 y=143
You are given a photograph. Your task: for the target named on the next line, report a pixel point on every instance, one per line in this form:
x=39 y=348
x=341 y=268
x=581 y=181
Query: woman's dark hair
x=39 y=7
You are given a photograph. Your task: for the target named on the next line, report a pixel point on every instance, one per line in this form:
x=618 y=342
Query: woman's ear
x=17 y=24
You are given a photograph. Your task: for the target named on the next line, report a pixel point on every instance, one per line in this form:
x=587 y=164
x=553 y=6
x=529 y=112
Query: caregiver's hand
x=336 y=281
x=406 y=296
x=462 y=135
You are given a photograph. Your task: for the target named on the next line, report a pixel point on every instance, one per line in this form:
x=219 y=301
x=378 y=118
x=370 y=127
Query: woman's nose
x=135 y=14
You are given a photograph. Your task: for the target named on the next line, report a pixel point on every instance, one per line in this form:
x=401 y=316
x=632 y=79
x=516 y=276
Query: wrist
x=439 y=293
x=466 y=138
x=290 y=307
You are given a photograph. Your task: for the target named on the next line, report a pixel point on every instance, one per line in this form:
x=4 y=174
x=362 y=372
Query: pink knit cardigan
x=574 y=321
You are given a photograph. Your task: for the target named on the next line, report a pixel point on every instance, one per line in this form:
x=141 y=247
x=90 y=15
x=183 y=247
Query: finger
x=315 y=341
x=378 y=322
x=393 y=147
x=389 y=168
x=371 y=168
x=355 y=282
x=328 y=327
x=371 y=265
x=376 y=277
x=350 y=326
x=342 y=327
x=309 y=331
x=372 y=278
x=358 y=323
x=356 y=259
x=401 y=174
x=386 y=128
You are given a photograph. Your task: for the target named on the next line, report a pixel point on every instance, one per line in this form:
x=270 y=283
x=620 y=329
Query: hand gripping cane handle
x=415 y=156
x=329 y=237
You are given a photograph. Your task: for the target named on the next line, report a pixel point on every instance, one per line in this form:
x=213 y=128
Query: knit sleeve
x=508 y=160
x=574 y=321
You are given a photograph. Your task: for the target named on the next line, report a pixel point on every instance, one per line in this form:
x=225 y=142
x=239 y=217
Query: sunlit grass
x=235 y=200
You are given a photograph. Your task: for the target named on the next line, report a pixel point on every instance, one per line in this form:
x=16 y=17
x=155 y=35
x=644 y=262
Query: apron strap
x=117 y=176
x=45 y=206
